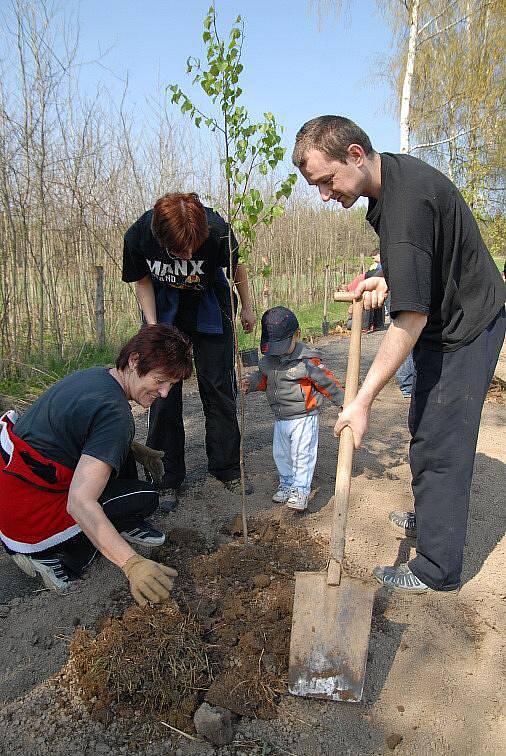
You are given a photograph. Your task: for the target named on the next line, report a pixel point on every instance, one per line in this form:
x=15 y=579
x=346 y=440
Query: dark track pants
x=125 y=500
x=214 y=366
x=444 y=418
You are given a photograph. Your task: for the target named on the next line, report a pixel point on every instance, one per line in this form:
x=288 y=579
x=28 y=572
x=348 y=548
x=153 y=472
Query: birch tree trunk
x=408 y=77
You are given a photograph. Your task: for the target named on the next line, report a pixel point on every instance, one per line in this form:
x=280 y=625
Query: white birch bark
x=408 y=77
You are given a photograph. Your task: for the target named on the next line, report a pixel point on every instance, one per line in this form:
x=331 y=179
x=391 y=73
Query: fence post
x=99 y=305
x=325 y=324
x=265 y=286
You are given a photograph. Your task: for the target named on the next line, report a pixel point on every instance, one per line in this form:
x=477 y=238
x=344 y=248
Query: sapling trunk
x=236 y=342
x=251 y=149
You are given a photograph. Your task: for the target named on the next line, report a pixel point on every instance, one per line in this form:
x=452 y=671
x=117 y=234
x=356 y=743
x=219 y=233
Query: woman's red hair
x=159 y=347
x=180 y=223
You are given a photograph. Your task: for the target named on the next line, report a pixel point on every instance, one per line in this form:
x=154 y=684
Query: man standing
x=447 y=303
x=175 y=254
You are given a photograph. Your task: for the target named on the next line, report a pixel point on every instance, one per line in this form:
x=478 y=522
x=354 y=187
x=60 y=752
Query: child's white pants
x=295 y=448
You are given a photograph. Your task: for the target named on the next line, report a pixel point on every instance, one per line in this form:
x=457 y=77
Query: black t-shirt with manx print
x=143 y=256
x=433 y=257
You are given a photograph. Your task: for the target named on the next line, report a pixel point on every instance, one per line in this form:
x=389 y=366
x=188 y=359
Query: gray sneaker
x=144 y=534
x=53 y=572
x=404 y=522
x=400 y=578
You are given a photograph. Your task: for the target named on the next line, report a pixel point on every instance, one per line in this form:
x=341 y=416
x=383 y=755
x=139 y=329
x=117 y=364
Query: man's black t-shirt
x=85 y=413
x=143 y=256
x=433 y=257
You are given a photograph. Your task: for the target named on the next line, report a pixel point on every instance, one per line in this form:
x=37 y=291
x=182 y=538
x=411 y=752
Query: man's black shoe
x=168 y=499
x=169 y=496
x=401 y=579
x=235 y=486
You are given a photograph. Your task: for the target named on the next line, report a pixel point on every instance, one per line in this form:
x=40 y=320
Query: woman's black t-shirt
x=86 y=412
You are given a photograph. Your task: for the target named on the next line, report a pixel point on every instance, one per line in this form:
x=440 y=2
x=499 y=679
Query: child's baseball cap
x=278 y=326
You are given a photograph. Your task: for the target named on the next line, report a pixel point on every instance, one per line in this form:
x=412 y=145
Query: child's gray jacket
x=294 y=383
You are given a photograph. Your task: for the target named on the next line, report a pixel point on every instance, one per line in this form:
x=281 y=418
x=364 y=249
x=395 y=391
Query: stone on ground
x=214 y=723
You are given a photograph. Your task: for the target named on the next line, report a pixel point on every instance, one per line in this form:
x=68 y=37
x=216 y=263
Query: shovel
x=332 y=611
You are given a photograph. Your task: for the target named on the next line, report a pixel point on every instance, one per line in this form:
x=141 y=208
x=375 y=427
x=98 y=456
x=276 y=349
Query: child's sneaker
x=297 y=500
x=282 y=495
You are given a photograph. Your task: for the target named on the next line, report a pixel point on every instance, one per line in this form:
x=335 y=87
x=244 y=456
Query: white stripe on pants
x=295 y=448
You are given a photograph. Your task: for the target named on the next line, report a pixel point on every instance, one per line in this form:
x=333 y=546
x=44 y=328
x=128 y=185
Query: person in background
x=175 y=253
x=405 y=376
x=295 y=381
x=68 y=480
x=374 y=320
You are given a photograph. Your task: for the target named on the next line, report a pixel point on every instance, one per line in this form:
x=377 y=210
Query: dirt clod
x=261 y=581
x=393 y=740
x=497 y=390
x=234 y=527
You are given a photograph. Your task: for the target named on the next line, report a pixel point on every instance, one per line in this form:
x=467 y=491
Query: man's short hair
x=180 y=223
x=331 y=135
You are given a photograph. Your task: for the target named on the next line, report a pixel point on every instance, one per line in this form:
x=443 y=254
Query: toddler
x=294 y=379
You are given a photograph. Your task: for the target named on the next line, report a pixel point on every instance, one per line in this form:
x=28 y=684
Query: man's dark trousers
x=214 y=365
x=444 y=418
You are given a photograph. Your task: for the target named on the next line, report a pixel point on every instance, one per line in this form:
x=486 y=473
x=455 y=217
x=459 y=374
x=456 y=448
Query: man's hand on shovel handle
x=356 y=415
x=374 y=291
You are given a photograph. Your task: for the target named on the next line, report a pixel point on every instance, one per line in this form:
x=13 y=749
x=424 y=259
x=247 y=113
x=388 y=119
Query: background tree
x=76 y=169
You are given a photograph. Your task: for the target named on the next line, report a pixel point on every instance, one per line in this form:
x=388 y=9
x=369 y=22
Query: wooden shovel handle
x=346 y=448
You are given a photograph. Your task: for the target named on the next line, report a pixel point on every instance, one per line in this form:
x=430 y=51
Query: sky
x=294 y=66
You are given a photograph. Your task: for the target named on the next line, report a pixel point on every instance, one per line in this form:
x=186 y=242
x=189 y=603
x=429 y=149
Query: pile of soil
x=251 y=593
x=227 y=641
x=151 y=659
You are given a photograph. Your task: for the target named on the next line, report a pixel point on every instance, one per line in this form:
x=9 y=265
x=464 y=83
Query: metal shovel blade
x=330 y=637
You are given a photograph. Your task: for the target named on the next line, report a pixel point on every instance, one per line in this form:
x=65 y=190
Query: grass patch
x=499 y=261
x=310 y=320
x=29 y=381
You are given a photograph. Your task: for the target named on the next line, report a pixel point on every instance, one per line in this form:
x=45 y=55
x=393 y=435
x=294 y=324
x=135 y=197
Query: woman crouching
x=68 y=479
